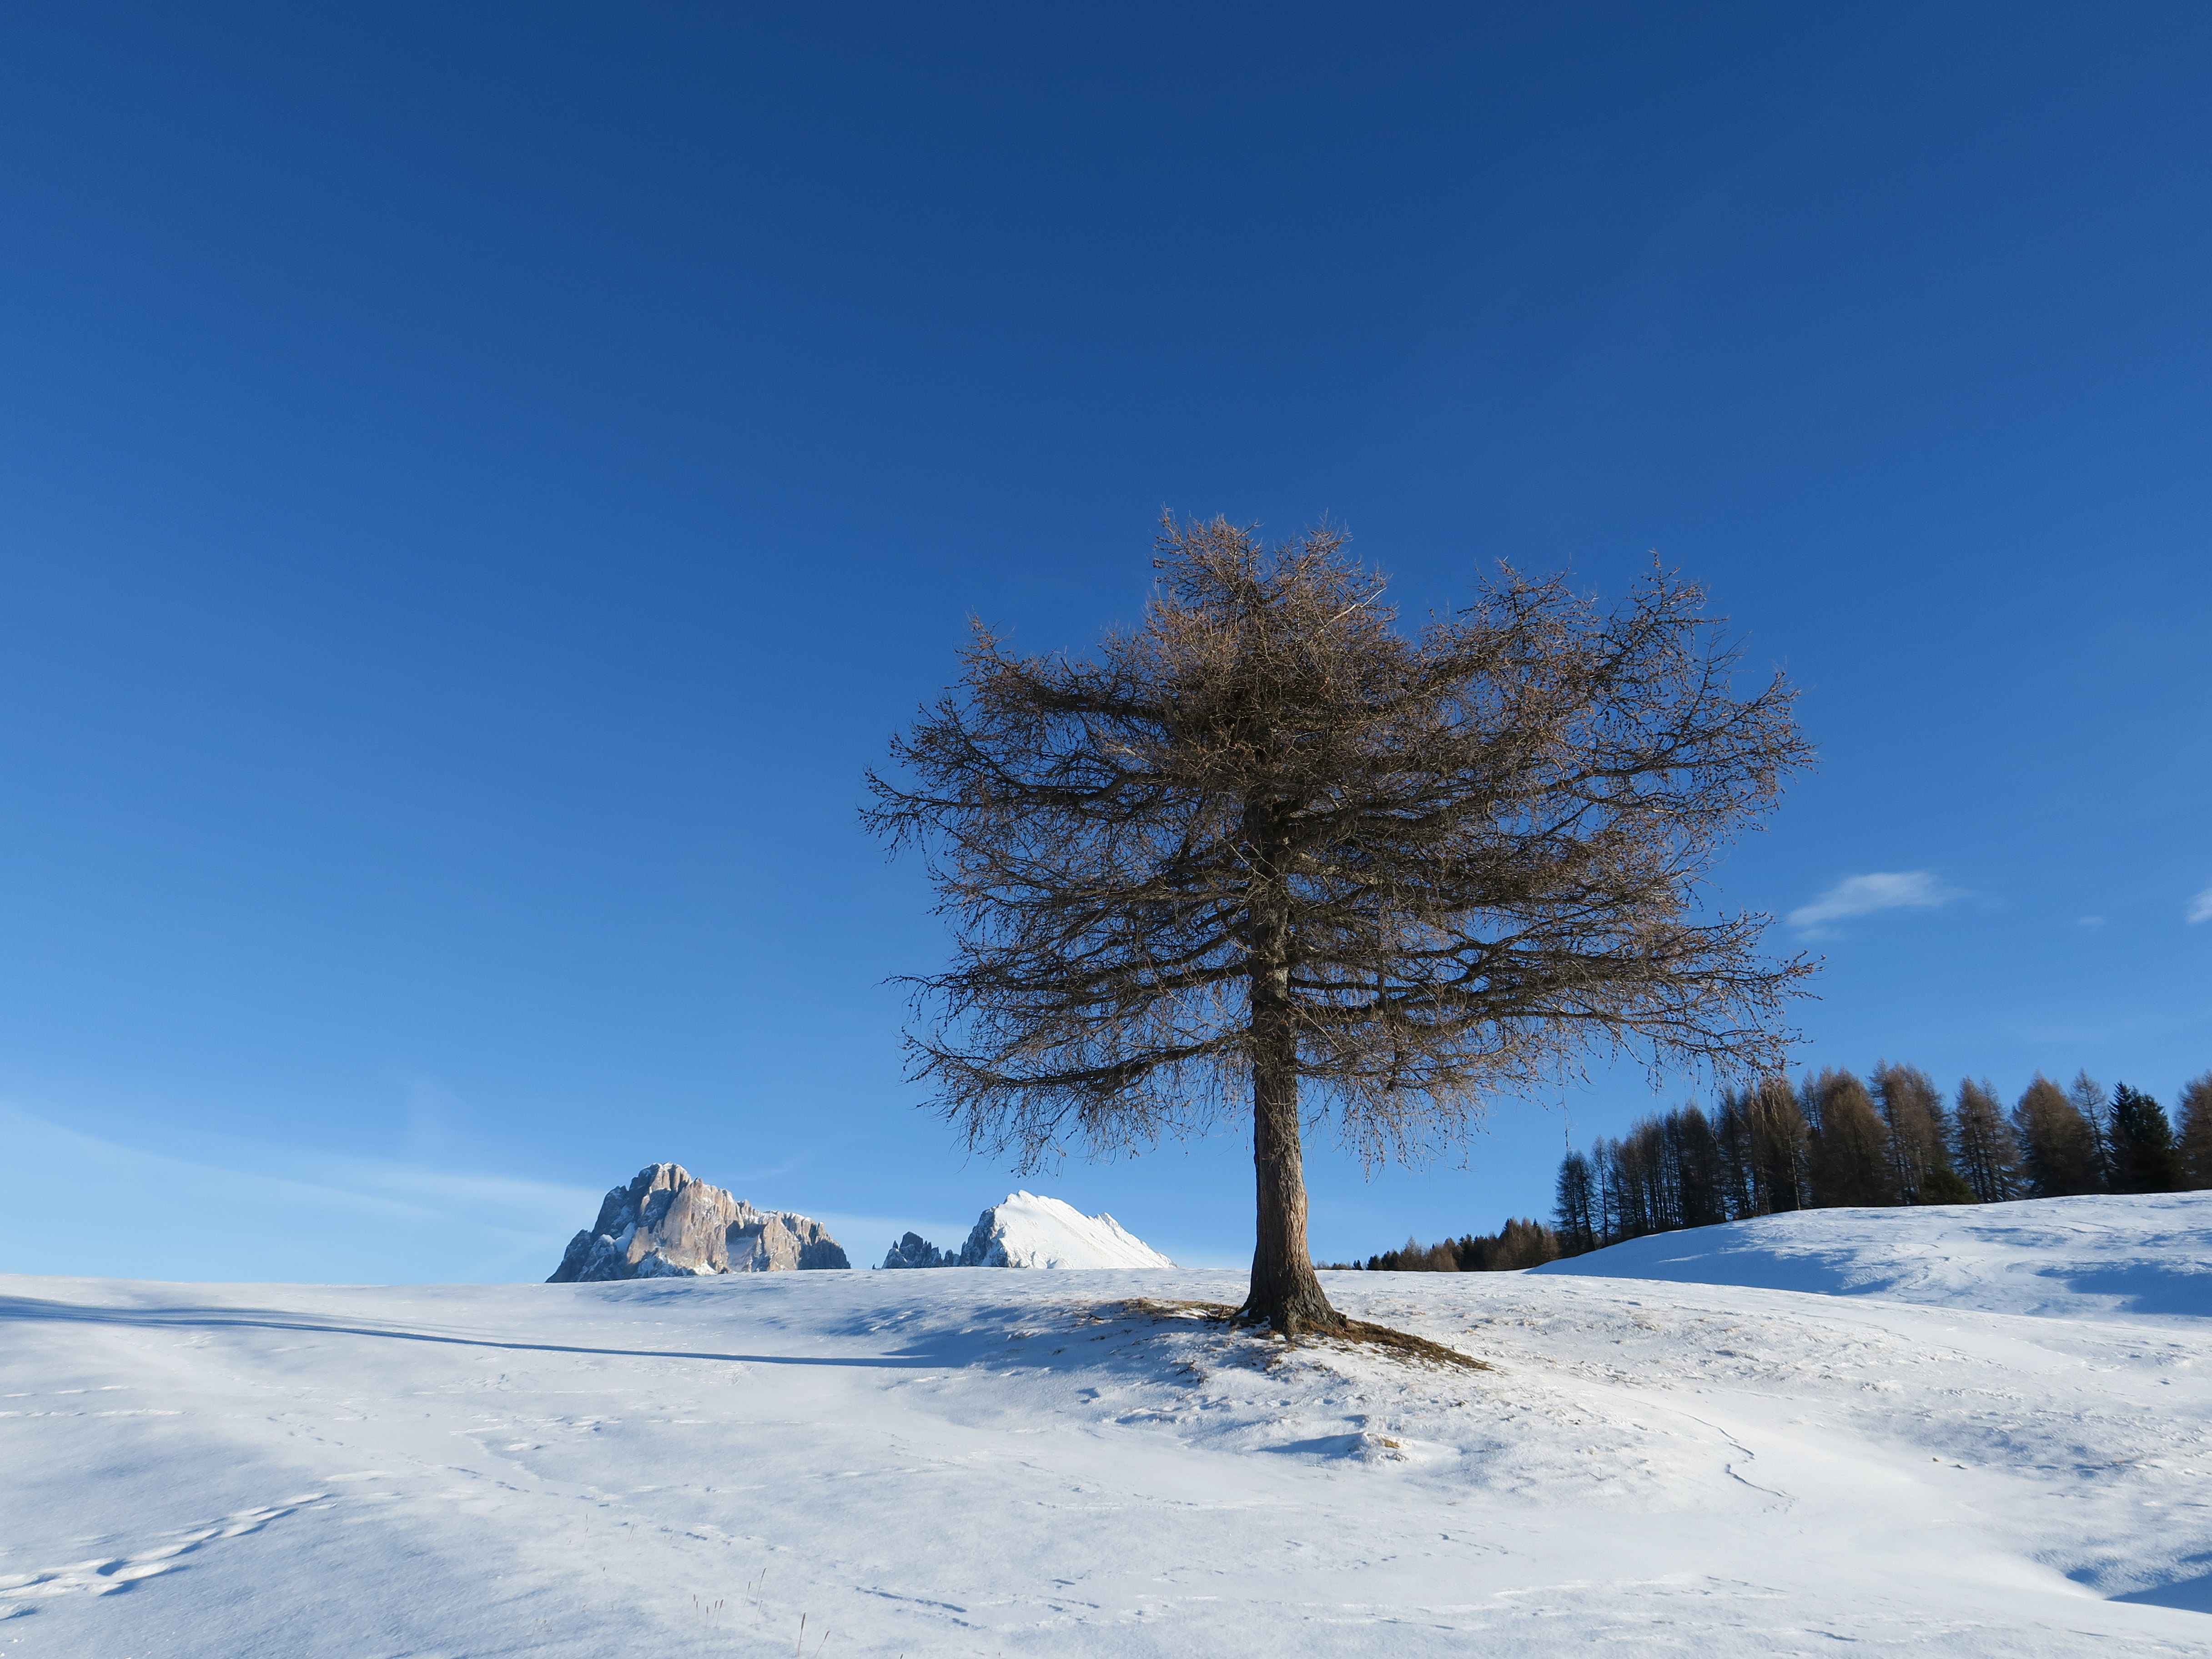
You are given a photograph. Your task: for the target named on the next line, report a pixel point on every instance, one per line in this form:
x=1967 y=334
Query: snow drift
x=1025 y=1230
x=2136 y=1258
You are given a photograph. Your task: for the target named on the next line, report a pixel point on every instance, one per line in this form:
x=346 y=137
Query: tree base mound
x=1352 y=1334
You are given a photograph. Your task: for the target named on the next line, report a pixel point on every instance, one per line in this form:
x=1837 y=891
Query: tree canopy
x=1266 y=839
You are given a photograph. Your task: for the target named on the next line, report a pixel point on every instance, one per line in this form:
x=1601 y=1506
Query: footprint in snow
x=20 y=1592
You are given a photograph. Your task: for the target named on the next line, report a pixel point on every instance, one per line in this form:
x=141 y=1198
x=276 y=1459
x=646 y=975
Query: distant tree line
x=1518 y=1243
x=1836 y=1140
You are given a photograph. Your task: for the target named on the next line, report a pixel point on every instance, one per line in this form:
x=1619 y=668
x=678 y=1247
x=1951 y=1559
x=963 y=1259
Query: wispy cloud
x=267 y=1212
x=1884 y=889
x=2200 y=908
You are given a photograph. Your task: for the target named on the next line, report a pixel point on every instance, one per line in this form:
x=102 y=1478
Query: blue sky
x=478 y=484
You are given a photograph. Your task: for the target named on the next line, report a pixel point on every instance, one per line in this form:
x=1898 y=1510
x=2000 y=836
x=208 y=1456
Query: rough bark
x=1285 y=1292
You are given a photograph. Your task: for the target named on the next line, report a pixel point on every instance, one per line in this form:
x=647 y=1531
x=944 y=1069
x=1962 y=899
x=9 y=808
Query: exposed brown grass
x=1358 y=1334
x=1354 y=1333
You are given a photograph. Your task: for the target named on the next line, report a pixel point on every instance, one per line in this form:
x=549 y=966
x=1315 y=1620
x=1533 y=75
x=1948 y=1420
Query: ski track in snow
x=996 y=1461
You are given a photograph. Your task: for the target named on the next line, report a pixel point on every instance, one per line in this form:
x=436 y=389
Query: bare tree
x=1265 y=852
x=1988 y=1150
x=2095 y=1106
x=1919 y=1154
x=1764 y=1136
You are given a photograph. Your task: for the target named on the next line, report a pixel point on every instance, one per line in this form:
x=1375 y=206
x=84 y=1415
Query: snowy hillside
x=2084 y=1258
x=971 y=1463
x=1024 y=1230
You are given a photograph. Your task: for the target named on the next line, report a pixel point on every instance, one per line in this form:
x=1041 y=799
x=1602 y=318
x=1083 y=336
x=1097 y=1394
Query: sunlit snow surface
x=972 y=1461
x=2139 y=1258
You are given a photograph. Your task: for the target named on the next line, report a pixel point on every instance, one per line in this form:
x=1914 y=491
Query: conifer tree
x=2144 y=1159
x=1576 y=1209
x=1920 y=1160
x=1945 y=1186
x=1850 y=1163
x=1519 y=1243
x=1699 y=1194
x=2057 y=1144
x=1604 y=1179
x=1640 y=1198
x=1266 y=857
x=1777 y=1147
x=2088 y=1097
x=1523 y=1243
x=1732 y=1135
x=2196 y=1137
x=1986 y=1152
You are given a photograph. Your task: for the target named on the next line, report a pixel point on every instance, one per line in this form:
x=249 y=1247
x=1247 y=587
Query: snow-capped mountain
x=1023 y=1230
x=666 y=1223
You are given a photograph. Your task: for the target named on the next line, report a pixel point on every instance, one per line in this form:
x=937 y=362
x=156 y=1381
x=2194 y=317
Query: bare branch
x=1268 y=835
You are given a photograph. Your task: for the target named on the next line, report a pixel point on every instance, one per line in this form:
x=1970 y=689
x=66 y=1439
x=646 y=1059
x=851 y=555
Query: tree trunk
x=1286 y=1291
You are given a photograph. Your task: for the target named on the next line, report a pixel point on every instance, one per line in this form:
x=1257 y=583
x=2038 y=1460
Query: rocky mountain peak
x=912 y=1250
x=667 y=1223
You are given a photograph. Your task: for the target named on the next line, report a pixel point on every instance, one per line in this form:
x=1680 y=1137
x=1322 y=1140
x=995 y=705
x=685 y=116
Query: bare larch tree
x=1265 y=848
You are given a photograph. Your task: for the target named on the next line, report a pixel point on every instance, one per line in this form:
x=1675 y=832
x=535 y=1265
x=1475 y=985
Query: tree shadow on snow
x=190 y=1318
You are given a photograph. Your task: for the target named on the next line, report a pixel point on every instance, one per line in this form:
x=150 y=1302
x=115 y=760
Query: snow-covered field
x=989 y=1462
